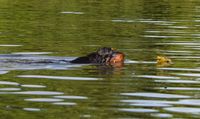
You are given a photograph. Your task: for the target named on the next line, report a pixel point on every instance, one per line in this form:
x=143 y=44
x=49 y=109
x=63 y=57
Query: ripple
x=160 y=103
x=43 y=100
x=183 y=110
x=178 y=88
x=192 y=102
x=8 y=83
x=150 y=21
x=10 y=89
x=9 y=45
x=188 y=74
x=179 y=69
x=33 y=86
x=197 y=20
x=4 y=72
x=38 y=93
x=139 y=62
x=137 y=110
x=147 y=103
x=57 y=77
x=131 y=61
x=32 y=109
x=154 y=21
x=121 y=20
x=71 y=12
x=64 y=103
x=144 y=101
x=177 y=81
x=86 y=116
x=156 y=36
x=34 y=93
x=192 y=46
x=151 y=105
x=32 y=53
x=71 y=97
x=186 y=57
x=179 y=27
x=157 y=77
x=162 y=115
x=178 y=43
x=153 y=31
x=176 y=51
x=155 y=95
x=165 y=31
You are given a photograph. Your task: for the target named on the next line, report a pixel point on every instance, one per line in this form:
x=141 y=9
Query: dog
x=104 y=55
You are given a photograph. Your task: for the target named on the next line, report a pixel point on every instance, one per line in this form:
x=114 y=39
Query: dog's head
x=110 y=55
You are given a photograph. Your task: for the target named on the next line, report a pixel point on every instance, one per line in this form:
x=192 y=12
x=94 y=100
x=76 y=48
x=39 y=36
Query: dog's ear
x=105 y=51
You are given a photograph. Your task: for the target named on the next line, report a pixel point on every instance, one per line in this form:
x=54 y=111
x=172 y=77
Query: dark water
x=64 y=29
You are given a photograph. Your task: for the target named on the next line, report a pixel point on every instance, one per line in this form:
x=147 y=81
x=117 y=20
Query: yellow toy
x=163 y=61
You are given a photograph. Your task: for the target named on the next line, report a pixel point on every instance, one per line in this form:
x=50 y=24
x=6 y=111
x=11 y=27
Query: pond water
x=60 y=29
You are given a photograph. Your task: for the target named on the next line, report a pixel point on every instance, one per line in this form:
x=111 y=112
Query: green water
x=71 y=28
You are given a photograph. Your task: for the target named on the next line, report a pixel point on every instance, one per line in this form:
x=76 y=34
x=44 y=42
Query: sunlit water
x=57 y=31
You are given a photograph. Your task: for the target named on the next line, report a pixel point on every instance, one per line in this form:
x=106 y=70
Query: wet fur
x=103 y=55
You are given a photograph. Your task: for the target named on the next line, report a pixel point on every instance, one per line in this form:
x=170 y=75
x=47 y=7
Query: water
x=62 y=30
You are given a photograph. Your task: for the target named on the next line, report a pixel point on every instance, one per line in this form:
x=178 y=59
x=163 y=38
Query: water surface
x=62 y=30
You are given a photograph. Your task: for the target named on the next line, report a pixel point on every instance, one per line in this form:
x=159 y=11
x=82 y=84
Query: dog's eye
x=114 y=54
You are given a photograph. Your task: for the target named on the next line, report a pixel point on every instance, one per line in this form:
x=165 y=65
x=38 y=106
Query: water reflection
x=65 y=103
x=188 y=74
x=57 y=77
x=184 y=110
x=36 y=93
x=179 y=88
x=32 y=109
x=9 y=83
x=157 y=77
x=33 y=93
x=9 y=45
x=32 y=53
x=155 y=95
x=147 y=103
x=139 y=110
x=71 y=97
x=10 y=89
x=178 y=81
x=71 y=12
x=43 y=100
x=162 y=115
x=33 y=86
